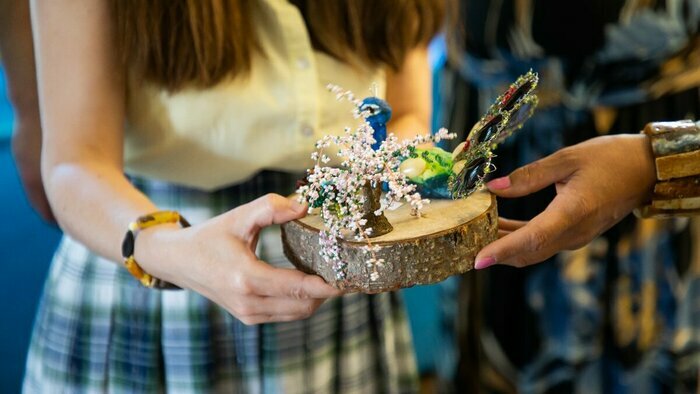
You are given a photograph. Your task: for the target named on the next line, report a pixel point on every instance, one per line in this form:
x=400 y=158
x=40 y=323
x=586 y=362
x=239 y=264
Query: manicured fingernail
x=298 y=207
x=499 y=183
x=484 y=262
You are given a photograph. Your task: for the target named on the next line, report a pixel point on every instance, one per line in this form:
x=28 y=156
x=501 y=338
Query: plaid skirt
x=98 y=330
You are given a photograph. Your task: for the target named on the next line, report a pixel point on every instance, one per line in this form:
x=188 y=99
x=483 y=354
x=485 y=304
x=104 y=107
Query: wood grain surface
x=420 y=250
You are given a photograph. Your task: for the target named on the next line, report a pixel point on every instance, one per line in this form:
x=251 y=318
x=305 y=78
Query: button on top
x=303 y=63
x=307 y=130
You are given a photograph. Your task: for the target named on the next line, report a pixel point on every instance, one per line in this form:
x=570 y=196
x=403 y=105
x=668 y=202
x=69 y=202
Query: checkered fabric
x=98 y=330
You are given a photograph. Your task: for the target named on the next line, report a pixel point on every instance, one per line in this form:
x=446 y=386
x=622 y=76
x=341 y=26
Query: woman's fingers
x=247 y=220
x=260 y=319
x=263 y=293
x=510 y=224
x=598 y=183
x=503 y=233
x=507 y=226
x=259 y=292
x=27 y=158
x=534 y=176
x=533 y=242
x=253 y=307
x=270 y=281
x=271 y=209
x=270 y=294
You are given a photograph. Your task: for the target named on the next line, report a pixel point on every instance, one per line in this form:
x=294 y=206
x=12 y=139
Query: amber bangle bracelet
x=676 y=149
x=144 y=222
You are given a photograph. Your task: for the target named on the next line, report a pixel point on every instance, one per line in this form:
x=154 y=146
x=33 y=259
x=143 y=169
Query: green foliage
x=438 y=164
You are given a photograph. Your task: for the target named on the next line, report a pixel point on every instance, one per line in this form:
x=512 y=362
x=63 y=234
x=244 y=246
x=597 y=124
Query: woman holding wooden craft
x=193 y=99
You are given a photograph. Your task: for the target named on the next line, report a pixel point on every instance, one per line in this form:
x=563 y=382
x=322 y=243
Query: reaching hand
x=217 y=259
x=598 y=183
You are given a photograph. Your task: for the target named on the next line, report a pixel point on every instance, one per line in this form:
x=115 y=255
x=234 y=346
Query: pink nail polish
x=484 y=262
x=499 y=183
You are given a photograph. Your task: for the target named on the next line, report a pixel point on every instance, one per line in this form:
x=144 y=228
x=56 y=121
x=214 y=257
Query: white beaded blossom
x=338 y=191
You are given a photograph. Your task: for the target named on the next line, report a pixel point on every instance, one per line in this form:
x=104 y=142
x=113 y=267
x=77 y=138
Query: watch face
x=472 y=158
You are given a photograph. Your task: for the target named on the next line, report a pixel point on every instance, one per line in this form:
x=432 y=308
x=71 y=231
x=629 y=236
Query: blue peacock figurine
x=379 y=115
x=429 y=169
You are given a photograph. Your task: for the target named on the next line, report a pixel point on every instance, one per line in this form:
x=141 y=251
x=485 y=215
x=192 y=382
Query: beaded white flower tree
x=350 y=196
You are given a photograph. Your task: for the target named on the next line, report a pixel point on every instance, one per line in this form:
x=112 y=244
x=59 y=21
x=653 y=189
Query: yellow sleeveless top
x=269 y=119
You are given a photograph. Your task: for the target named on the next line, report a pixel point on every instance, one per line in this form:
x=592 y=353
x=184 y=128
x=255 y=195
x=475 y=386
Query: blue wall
x=26 y=247
x=6 y=117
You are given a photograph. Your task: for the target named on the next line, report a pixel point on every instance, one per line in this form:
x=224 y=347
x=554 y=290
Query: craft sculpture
x=369 y=227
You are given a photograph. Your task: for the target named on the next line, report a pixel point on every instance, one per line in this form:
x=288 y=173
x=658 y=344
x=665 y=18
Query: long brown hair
x=179 y=43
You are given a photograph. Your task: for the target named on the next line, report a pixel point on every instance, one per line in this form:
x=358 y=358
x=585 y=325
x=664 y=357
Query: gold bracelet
x=676 y=149
x=144 y=222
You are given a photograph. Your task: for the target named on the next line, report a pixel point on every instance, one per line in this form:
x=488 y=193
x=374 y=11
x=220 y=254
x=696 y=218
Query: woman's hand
x=598 y=183
x=217 y=259
x=26 y=149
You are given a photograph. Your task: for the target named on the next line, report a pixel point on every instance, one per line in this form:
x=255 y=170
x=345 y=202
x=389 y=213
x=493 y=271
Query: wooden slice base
x=443 y=242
